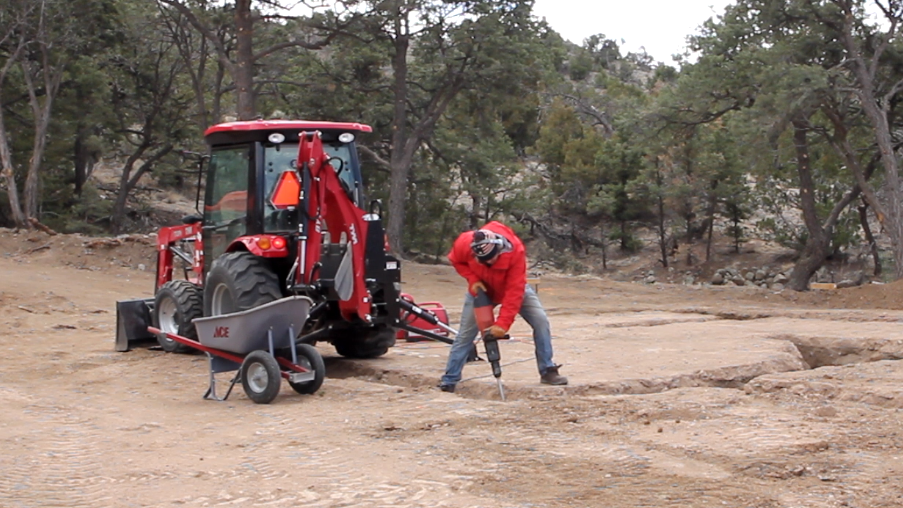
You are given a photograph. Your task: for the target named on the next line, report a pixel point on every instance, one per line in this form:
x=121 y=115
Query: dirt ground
x=679 y=396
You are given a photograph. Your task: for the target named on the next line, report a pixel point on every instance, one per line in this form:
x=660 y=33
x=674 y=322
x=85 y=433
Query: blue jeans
x=532 y=312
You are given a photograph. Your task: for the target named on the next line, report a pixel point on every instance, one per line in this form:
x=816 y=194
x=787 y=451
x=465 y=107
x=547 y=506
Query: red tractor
x=284 y=214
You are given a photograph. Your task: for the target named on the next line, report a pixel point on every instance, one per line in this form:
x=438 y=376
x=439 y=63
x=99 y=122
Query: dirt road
x=679 y=396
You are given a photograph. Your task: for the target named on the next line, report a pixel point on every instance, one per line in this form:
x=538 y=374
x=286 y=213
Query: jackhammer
x=483 y=313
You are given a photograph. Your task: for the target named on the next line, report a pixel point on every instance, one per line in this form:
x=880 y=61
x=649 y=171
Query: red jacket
x=505 y=280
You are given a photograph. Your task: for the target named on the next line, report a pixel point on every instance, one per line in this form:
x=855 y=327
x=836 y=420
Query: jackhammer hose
x=425 y=314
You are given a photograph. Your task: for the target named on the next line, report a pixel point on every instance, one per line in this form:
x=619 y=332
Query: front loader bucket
x=132 y=319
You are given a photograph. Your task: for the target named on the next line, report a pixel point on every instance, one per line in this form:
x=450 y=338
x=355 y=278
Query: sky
x=660 y=26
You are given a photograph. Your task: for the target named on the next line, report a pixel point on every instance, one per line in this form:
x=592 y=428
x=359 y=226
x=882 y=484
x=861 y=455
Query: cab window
x=226 y=209
x=281 y=158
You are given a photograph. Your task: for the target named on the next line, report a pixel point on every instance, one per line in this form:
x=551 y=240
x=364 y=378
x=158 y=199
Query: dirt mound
x=79 y=251
x=869 y=296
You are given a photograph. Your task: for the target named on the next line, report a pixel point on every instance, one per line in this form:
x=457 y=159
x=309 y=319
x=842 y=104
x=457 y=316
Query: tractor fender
x=265 y=246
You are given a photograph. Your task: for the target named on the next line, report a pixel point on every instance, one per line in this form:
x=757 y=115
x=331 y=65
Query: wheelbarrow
x=260 y=344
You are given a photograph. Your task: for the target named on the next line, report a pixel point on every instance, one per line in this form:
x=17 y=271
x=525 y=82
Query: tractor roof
x=258 y=130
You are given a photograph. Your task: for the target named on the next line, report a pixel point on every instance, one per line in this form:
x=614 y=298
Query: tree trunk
x=81 y=162
x=128 y=181
x=216 y=110
x=406 y=140
x=398 y=191
x=476 y=204
x=604 y=242
x=122 y=194
x=623 y=235
x=6 y=168
x=41 y=112
x=710 y=221
x=869 y=237
x=31 y=190
x=662 y=241
x=877 y=113
x=817 y=244
x=811 y=259
x=15 y=206
x=400 y=162
x=244 y=65
x=7 y=171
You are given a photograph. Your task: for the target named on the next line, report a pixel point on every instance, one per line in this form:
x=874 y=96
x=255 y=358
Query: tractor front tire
x=239 y=281
x=176 y=304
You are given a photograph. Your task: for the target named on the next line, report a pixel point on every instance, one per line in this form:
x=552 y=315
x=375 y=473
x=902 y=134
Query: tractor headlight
x=276 y=138
x=346 y=137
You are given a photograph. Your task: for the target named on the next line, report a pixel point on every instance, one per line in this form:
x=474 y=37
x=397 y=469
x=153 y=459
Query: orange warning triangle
x=287 y=190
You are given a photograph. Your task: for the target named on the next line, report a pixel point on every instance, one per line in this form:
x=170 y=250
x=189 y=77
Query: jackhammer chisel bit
x=494 y=356
x=485 y=317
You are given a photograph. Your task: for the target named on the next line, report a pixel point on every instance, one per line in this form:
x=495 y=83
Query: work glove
x=497 y=331
x=477 y=285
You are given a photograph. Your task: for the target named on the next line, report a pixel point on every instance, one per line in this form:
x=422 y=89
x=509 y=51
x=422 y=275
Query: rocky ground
x=680 y=395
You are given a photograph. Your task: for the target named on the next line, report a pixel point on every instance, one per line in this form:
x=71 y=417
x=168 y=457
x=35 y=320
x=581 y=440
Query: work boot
x=447 y=388
x=552 y=377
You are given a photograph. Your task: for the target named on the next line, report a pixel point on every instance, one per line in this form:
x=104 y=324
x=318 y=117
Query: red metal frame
x=225 y=354
x=327 y=202
x=166 y=237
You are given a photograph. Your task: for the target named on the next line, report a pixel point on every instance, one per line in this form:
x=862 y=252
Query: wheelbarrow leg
x=211 y=391
x=215 y=366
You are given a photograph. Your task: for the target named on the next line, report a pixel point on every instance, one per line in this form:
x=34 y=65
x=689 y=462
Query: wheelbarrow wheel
x=261 y=377
x=310 y=359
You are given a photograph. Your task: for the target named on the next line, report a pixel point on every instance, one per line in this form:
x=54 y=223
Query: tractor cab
x=253 y=183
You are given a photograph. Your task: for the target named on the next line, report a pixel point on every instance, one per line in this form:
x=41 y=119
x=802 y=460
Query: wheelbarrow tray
x=246 y=331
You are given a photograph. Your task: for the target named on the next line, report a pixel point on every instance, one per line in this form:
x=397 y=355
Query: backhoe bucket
x=132 y=319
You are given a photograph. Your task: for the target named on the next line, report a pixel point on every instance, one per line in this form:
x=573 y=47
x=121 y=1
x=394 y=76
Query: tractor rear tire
x=310 y=359
x=239 y=281
x=176 y=304
x=357 y=343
